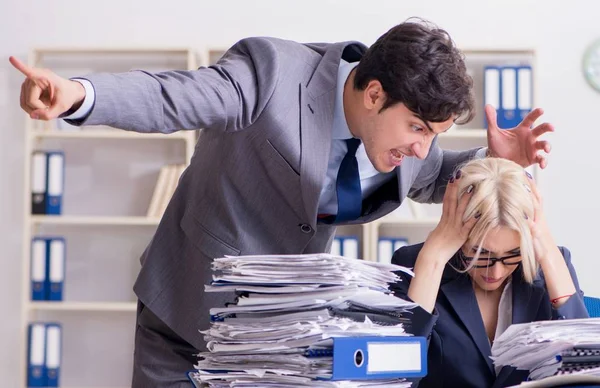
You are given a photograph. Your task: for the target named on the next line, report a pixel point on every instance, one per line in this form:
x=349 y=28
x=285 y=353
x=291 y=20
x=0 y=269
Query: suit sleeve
x=430 y=184
x=574 y=307
x=228 y=96
x=421 y=322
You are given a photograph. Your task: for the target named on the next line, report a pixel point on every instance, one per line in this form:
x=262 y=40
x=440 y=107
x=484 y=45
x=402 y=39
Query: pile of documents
x=547 y=348
x=280 y=330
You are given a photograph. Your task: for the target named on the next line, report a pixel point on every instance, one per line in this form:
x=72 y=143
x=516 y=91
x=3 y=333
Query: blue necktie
x=349 y=195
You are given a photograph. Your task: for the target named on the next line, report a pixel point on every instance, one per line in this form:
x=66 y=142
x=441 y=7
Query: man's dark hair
x=418 y=65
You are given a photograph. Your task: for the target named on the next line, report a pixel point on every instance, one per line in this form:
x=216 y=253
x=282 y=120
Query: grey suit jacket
x=254 y=181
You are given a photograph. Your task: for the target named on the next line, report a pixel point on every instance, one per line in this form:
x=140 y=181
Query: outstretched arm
x=228 y=96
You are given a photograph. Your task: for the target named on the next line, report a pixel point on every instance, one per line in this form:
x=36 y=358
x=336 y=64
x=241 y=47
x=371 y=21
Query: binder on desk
x=38 y=269
x=39 y=173
x=53 y=354
x=359 y=358
x=56 y=268
x=55 y=187
x=362 y=358
x=36 y=368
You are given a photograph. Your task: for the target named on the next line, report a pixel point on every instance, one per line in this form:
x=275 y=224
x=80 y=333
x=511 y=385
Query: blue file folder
x=53 y=354
x=387 y=246
x=56 y=268
x=36 y=355
x=39 y=179
x=362 y=358
x=509 y=89
x=366 y=358
x=55 y=184
x=39 y=270
x=507 y=115
x=524 y=91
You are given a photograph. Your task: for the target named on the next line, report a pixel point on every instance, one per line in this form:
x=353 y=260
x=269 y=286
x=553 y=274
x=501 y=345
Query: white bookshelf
x=93 y=221
x=106 y=133
x=404 y=223
x=83 y=306
x=88 y=312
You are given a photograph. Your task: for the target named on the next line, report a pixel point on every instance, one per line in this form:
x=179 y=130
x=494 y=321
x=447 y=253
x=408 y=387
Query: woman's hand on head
x=451 y=232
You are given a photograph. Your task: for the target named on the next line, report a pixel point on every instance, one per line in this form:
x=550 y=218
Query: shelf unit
x=84 y=306
x=38 y=134
x=93 y=221
x=415 y=227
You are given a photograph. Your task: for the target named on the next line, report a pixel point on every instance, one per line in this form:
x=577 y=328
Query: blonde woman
x=491 y=261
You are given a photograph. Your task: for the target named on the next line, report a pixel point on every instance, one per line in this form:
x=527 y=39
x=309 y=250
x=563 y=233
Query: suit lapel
x=405 y=173
x=526 y=299
x=460 y=294
x=317 y=99
x=316 y=120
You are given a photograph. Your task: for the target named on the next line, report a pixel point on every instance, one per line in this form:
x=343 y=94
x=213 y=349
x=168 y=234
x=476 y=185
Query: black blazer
x=459 y=351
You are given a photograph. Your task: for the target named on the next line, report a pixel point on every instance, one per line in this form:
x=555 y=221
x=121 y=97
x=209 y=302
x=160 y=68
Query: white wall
x=558 y=30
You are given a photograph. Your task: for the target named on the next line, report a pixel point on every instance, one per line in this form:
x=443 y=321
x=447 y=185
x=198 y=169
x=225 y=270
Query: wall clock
x=591 y=65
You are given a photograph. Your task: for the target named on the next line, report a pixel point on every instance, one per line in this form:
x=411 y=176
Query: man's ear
x=374 y=96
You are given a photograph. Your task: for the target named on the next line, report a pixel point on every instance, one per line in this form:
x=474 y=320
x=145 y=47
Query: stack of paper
x=279 y=330
x=545 y=348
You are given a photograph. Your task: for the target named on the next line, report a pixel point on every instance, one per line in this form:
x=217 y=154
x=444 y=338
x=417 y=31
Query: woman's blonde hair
x=502 y=197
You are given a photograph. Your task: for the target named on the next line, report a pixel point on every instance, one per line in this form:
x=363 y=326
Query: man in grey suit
x=280 y=122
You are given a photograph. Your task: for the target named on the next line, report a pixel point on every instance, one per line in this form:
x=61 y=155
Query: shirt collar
x=340 y=126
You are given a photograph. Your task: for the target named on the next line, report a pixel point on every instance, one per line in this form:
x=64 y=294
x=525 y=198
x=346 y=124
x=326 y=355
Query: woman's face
x=501 y=243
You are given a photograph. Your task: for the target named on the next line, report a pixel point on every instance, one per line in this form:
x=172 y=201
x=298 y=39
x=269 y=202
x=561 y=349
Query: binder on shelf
x=53 y=354
x=39 y=173
x=508 y=96
x=55 y=186
x=386 y=247
x=36 y=357
x=38 y=269
x=345 y=246
x=56 y=268
x=491 y=89
x=336 y=246
x=385 y=250
x=361 y=358
x=350 y=247
x=524 y=91
x=509 y=89
x=399 y=243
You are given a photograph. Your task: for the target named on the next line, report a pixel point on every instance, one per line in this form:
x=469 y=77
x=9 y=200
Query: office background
x=558 y=31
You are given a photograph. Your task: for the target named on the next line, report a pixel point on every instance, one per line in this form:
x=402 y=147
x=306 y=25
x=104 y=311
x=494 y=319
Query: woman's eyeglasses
x=488 y=262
